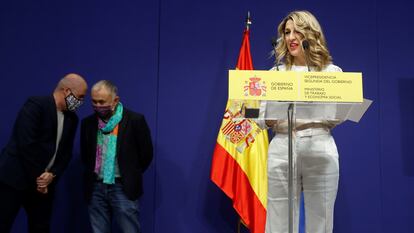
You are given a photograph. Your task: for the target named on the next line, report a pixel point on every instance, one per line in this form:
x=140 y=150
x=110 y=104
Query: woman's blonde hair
x=306 y=24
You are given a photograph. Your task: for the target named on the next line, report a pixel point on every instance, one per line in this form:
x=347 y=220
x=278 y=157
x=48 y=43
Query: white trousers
x=316 y=172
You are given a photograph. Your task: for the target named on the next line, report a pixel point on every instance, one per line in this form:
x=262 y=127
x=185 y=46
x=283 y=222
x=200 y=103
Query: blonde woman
x=302 y=47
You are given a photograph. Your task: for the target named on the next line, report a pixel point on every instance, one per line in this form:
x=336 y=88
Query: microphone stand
x=290 y=112
x=290 y=168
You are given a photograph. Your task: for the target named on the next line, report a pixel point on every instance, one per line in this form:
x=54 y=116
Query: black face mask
x=72 y=102
x=103 y=112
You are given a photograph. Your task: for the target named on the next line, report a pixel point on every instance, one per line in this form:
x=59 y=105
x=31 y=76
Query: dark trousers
x=110 y=202
x=38 y=208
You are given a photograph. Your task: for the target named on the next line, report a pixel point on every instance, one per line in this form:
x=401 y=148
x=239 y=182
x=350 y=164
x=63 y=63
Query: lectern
x=325 y=97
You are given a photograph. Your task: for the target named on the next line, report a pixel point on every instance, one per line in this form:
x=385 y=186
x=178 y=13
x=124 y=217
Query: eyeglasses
x=75 y=95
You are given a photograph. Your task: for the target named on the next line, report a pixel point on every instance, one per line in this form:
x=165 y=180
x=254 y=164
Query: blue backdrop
x=170 y=61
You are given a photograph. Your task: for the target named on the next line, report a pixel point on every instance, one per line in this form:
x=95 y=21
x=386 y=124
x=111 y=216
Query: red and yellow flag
x=239 y=165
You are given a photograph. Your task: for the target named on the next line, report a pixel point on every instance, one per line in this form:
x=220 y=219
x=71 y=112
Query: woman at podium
x=302 y=47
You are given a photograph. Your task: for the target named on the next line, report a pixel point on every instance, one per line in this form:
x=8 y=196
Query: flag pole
x=248 y=23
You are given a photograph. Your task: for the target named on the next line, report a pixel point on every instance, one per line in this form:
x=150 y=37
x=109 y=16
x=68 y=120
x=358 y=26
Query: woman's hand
x=271 y=123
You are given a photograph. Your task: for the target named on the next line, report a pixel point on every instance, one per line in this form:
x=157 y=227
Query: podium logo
x=255 y=87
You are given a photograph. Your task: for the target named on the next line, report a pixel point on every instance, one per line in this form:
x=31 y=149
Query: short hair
x=306 y=24
x=71 y=81
x=108 y=85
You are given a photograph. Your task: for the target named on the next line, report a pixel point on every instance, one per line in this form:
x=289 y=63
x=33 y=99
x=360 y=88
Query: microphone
x=305 y=46
x=274 y=42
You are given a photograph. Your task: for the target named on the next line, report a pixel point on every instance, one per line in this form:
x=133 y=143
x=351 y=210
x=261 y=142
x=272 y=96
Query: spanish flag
x=239 y=165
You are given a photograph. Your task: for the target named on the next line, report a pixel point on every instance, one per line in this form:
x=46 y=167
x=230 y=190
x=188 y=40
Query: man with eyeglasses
x=37 y=153
x=116 y=149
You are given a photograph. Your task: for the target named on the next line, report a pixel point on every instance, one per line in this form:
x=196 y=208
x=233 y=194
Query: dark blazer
x=33 y=143
x=134 y=152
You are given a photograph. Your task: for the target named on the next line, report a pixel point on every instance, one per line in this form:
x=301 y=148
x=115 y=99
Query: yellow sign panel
x=295 y=86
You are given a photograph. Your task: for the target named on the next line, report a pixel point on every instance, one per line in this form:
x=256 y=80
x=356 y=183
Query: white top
x=328 y=68
x=282 y=124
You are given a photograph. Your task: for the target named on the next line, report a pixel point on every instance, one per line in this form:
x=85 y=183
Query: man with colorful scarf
x=116 y=149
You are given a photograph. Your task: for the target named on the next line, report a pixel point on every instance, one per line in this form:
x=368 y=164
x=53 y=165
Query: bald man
x=37 y=153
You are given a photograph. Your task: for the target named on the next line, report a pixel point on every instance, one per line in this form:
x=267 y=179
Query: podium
x=327 y=98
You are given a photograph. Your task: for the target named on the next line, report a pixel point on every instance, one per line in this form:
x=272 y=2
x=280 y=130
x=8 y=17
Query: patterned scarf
x=106 y=146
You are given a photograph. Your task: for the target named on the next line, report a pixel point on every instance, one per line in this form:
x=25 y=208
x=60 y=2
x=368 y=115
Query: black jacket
x=133 y=152
x=33 y=143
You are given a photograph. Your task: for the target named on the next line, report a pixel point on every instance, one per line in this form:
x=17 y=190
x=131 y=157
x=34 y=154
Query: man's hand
x=42 y=190
x=45 y=179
